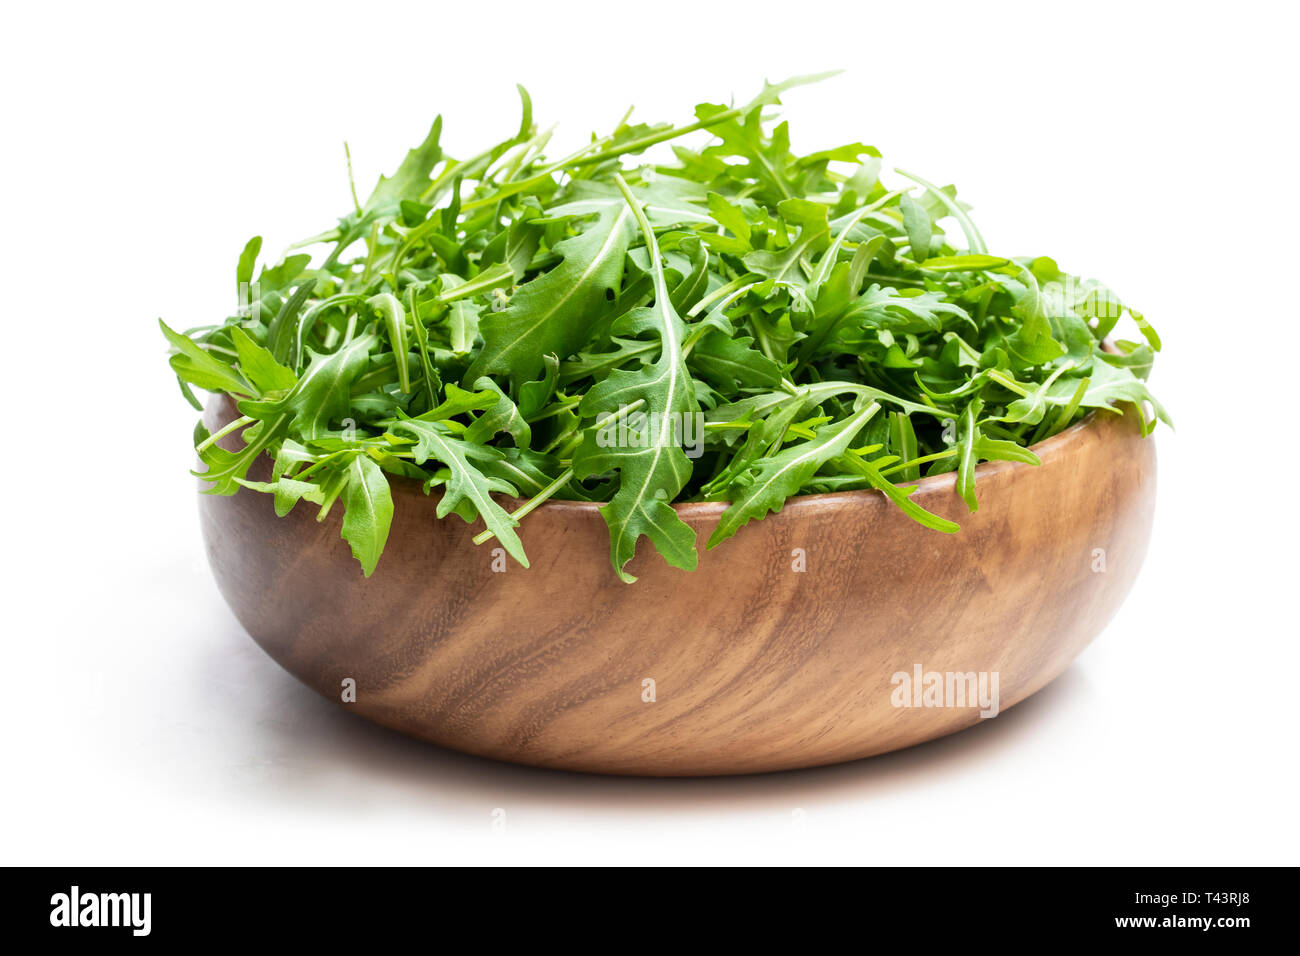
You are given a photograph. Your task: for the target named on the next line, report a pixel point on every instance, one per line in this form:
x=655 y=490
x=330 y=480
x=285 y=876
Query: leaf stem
x=651 y=139
x=917 y=462
x=531 y=504
x=237 y=424
x=735 y=285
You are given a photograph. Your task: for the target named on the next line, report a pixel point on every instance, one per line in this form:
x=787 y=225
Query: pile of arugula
x=499 y=315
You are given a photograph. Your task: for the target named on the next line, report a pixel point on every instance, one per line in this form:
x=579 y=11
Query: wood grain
x=757 y=666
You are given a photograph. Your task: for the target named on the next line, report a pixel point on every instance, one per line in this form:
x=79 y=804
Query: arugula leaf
x=899 y=496
x=248 y=261
x=653 y=469
x=287 y=491
x=810 y=219
x=467 y=485
x=323 y=394
x=919 y=229
x=195 y=365
x=368 y=511
x=551 y=314
x=412 y=176
x=779 y=476
x=394 y=320
x=226 y=468
x=259 y=366
x=967 y=453
x=733 y=363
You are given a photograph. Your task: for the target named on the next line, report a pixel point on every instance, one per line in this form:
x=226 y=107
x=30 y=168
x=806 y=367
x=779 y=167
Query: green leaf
x=412 y=176
x=902 y=440
x=323 y=394
x=248 y=261
x=776 y=478
x=368 y=511
x=733 y=362
x=226 y=468
x=462 y=316
x=259 y=366
x=731 y=218
x=466 y=483
x=393 y=317
x=899 y=496
x=551 y=315
x=967 y=263
x=993 y=449
x=1110 y=385
x=503 y=416
x=281 y=275
x=1030 y=408
x=1032 y=342
x=459 y=402
x=195 y=365
x=916 y=221
x=652 y=466
x=782 y=267
x=967 y=453
x=287 y=491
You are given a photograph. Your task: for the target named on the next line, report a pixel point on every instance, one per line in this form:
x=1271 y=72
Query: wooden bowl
x=756 y=665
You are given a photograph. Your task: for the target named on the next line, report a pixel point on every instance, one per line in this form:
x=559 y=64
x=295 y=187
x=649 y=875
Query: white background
x=1153 y=147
